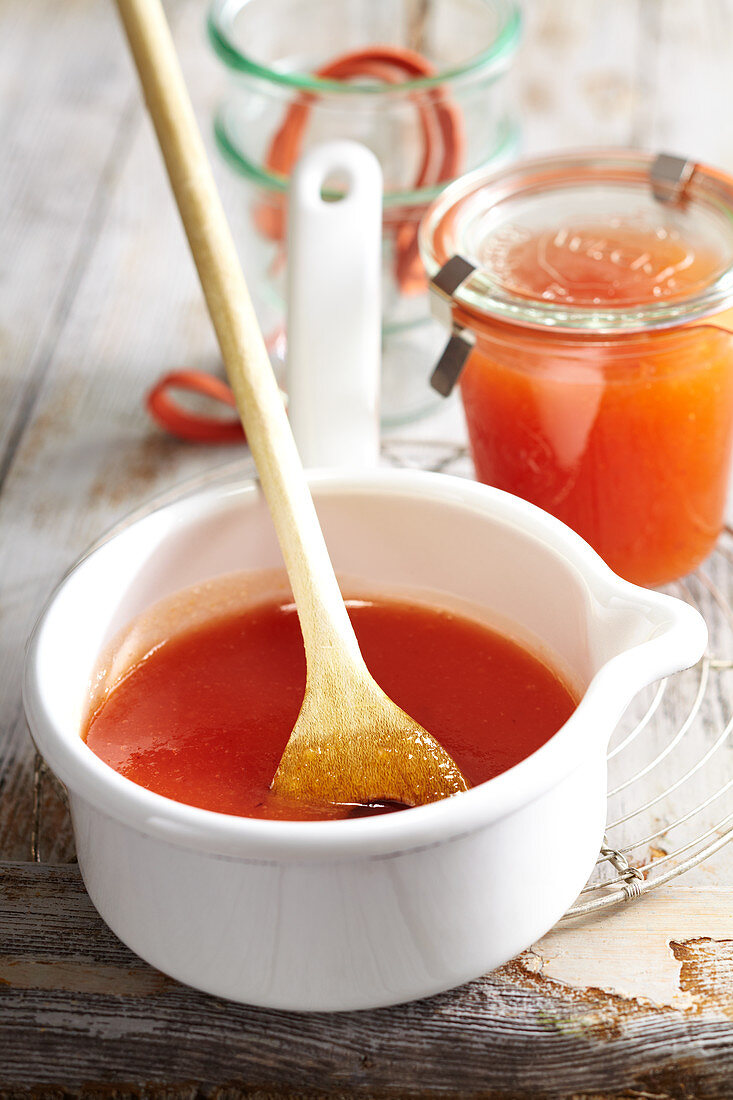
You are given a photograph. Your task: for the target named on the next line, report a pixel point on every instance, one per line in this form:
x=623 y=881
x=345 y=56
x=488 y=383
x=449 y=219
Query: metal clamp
x=452 y=361
x=670 y=176
x=443 y=286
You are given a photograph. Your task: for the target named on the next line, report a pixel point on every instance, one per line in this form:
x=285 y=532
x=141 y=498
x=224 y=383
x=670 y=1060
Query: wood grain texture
x=98 y=297
x=86 y=453
x=52 y=203
x=102 y=1016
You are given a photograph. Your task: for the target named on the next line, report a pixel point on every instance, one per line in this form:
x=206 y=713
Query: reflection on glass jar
x=420 y=83
x=600 y=381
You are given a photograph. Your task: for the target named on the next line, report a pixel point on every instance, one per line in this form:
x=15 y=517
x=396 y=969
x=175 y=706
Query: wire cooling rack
x=670 y=765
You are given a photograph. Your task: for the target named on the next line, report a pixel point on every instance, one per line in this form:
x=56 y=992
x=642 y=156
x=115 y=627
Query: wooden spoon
x=351 y=743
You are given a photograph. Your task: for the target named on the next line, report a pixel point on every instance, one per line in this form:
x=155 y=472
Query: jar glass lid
x=599 y=242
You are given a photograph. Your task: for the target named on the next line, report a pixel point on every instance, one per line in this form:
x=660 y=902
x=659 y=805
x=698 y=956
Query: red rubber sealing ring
x=443 y=138
x=194 y=427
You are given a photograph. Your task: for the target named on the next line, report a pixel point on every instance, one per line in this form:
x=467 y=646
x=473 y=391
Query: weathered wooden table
x=98 y=297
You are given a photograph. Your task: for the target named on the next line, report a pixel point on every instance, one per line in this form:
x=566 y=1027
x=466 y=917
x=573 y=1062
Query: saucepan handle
x=334 y=305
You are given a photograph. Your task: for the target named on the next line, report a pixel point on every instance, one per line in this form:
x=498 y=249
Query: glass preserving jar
x=589 y=297
x=422 y=85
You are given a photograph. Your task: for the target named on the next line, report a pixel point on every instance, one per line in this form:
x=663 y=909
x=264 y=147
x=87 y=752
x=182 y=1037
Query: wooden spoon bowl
x=351 y=743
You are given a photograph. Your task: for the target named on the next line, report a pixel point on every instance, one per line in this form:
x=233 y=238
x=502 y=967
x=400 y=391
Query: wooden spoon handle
x=323 y=616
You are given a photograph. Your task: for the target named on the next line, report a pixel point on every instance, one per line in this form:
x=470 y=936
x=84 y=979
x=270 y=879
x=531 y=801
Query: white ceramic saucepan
x=359 y=913
x=372 y=911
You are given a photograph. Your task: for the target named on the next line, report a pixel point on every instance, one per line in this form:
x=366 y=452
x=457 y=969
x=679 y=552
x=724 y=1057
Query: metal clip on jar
x=589 y=301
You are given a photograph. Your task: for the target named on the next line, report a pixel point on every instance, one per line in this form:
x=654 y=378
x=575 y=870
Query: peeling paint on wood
x=706 y=973
x=631 y=951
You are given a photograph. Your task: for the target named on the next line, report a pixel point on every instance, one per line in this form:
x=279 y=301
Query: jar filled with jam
x=589 y=297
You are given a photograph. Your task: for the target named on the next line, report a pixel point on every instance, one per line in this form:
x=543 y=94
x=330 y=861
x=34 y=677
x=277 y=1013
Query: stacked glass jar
x=421 y=84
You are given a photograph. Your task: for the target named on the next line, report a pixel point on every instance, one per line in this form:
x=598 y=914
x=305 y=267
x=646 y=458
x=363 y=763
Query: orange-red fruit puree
x=204 y=719
x=627 y=439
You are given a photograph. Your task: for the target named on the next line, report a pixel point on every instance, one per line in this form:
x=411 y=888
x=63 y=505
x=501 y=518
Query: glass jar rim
x=274 y=183
x=483 y=293
x=493 y=58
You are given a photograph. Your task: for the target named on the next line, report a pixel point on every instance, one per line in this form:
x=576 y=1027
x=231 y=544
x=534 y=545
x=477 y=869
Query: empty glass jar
x=420 y=82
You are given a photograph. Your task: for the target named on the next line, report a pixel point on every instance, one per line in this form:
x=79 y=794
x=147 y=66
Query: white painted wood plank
x=577 y=73
x=651 y=73
x=89 y=452
x=64 y=122
x=629 y=952
x=691 y=82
